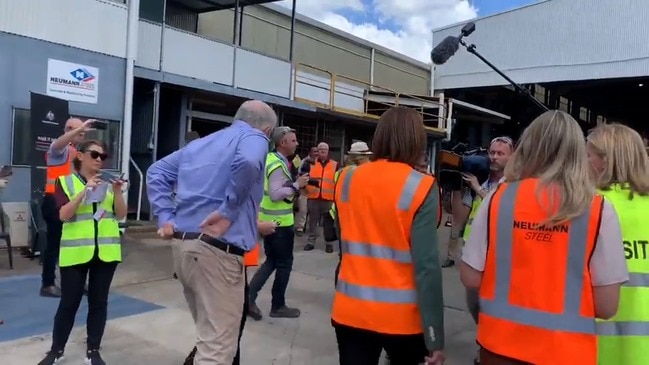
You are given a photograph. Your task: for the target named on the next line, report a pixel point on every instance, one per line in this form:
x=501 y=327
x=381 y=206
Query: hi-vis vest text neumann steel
x=536 y=297
x=78 y=238
x=279 y=212
x=325 y=175
x=376 y=286
x=624 y=339
x=55 y=171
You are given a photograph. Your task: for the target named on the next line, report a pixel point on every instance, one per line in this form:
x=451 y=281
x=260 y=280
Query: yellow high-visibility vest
x=78 y=236
x=624 y=339
x=279 y=212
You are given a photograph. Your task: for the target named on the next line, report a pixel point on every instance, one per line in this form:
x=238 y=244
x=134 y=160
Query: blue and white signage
x=72 y=82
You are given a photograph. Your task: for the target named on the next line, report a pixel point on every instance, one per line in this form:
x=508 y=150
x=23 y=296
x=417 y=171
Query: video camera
x=461 y=159
x=306 y=169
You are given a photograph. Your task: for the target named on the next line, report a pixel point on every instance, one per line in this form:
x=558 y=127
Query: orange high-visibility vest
x=324 y=174
x=54 y=171
x=536 y=299
x=251 y=258
x=376 y=286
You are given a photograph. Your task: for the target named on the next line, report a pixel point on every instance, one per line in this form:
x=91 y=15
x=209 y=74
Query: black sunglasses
x=94 y=155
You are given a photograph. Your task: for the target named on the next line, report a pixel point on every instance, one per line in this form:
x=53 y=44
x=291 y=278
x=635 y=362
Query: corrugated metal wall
x=553 y=40
x=181 y=18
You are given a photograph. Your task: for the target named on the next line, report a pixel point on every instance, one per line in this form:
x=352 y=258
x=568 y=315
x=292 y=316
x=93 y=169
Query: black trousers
x=362 y=347
x=54 y=229
x=237 y=358
x=73 y=279
x=279 y=257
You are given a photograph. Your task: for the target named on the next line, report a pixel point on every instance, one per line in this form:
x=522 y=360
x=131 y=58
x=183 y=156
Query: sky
x=401 y=25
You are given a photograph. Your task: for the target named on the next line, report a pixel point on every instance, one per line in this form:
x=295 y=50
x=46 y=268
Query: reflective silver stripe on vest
x=570 y=320
x=627 y=328
x=636 y=328
x=638 y=280
x=90 y=241
x=69 y=182
x=375 y=294
x=89 y=216
x=405 y=296
x=275 y=211
x=376 y=252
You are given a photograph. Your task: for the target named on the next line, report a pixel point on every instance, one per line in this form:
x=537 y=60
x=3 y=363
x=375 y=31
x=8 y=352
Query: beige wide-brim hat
x=359 y=148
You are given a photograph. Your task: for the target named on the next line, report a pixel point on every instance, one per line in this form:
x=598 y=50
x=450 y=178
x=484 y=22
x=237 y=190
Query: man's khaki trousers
x=213 y=283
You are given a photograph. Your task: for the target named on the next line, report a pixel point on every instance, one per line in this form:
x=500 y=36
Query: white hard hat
x=359 y=148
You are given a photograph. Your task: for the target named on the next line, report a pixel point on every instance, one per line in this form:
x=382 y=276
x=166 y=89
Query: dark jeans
x=279 y=257
x=362 y=347
x=73 y=279
x=237 y=358
x=54 y=229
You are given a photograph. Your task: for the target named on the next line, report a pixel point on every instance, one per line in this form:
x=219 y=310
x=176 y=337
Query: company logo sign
x=71 y=81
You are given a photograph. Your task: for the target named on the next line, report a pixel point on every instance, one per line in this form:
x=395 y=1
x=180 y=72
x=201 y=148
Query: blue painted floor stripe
x=26 y=314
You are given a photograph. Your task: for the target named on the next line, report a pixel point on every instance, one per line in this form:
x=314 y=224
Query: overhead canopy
x=204 y=6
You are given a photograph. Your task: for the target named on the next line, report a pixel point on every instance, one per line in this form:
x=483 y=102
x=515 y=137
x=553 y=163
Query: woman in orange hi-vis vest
x=389 y=289
x=543 y=249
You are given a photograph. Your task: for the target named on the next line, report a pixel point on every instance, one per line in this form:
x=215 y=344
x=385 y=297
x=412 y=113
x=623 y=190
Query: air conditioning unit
x=17 y=215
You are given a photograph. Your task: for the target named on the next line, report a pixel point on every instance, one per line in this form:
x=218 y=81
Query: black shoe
x=52 y=358
x=329 y=248
x=448 y=263
x=309 y=247
x=93 y=358
x=254 y=312
x=51 y=291
x=285 y=312
x=190 y=358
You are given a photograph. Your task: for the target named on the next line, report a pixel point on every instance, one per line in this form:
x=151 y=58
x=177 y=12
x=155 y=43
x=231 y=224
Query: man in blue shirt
x=213 y=222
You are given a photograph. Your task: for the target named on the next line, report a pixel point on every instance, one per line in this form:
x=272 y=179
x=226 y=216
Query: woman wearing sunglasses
x=89 y=208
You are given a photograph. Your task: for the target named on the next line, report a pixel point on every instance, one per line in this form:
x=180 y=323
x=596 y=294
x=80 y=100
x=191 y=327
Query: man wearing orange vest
x=320 y=197
x=59 y=163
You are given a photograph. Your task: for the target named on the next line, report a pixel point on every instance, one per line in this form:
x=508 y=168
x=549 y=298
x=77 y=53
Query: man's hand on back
x=215 y=225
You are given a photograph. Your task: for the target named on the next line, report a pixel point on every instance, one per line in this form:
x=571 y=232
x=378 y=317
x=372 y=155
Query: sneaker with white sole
x=93 y=358
x=52 y=358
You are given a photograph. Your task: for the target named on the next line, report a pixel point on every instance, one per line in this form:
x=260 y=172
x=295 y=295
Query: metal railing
x=352 y=96
x=140 y=190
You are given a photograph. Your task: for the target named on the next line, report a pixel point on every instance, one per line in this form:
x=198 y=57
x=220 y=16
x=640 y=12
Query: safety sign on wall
x=72 y=82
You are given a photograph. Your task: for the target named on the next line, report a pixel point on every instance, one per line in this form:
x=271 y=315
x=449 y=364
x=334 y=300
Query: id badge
x=99 y=214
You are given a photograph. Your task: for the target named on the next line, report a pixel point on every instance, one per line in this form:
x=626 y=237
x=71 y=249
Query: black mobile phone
x=100 y=125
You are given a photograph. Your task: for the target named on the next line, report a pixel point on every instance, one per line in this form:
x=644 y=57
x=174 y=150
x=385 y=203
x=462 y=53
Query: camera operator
x=500 y=150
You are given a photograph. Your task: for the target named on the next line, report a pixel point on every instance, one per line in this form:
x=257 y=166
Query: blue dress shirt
x=221 y=172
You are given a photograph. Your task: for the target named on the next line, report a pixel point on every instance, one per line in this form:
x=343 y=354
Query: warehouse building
x=588 y=58
x=153 y=70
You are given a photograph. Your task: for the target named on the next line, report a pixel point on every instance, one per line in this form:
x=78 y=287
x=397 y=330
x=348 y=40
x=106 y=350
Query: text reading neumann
x=537 y=232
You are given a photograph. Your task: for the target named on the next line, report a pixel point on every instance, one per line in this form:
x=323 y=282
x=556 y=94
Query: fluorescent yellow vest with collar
x=78 y=237
x=624 y=339
x=279 y=212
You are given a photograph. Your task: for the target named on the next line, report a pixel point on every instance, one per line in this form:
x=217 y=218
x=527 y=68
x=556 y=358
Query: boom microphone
x=445 y=50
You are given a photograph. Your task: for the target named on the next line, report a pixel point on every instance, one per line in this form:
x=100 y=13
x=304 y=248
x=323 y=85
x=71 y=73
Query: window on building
x=21 y=144
x=564 y=104
x=539 y=93
x=584 y=114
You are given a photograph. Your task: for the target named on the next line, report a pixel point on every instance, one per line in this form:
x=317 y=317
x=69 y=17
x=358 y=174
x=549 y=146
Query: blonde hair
x=553 y=150
x=625 y=158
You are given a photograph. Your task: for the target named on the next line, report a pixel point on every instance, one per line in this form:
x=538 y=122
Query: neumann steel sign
x=72 y=82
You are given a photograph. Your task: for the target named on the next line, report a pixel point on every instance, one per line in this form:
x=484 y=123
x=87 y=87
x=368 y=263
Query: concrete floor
x=165 y=336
